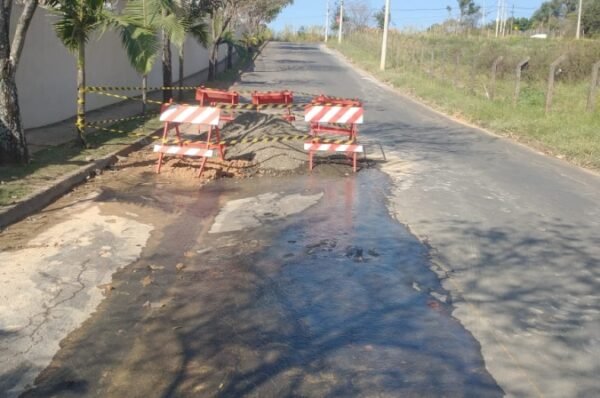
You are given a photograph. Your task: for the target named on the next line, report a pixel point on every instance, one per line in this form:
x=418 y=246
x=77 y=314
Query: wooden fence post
x=494 y=73
x=432 y=61
x=550 y=91
x=591 y=102
x=473 y=75
x=520 y=67
x=456 y=69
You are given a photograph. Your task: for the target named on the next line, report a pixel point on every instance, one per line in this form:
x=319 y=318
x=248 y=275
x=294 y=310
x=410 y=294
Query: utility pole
x=483 y=16
x=579 y=20
x=497 y=16
x=386 y=25
x=503 y=19
x=327 y=23
x=341 y=22
x=512 y=20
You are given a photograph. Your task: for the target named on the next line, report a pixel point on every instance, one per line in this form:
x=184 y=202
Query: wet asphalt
x=338 y=300
x=497 y=296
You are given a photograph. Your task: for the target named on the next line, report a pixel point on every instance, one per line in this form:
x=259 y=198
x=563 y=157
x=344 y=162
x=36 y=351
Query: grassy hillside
x=454 y=74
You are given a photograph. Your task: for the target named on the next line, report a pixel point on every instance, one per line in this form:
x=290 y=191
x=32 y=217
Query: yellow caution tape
x=125 y=97
x=96 y=89
x=256 y=140
x=124 y=119
x=132 y=88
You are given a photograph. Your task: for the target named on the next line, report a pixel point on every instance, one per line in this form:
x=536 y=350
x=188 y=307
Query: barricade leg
x=218 y=137
x=202 y=164
x=178 y=135
x=310 y=160
x=161 y=155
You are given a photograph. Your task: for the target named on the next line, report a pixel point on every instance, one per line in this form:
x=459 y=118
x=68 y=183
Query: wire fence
x=550 y=74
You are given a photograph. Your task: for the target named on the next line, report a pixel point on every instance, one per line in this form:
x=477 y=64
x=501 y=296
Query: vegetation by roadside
x=17 y=181
x=454 y=75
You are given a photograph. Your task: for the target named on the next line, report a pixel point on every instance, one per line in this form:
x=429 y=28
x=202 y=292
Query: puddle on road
x=336 y=300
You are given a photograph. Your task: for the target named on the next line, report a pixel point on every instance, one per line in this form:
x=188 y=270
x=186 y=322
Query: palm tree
x=77 y=20
x=139 y=24
x=173 y=19
x=193 y=21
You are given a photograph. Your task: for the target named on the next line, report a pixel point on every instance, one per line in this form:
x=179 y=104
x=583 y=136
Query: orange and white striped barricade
x=212 y=97
x=351 y=150
x=174 y=115
x=285 y=97
x=339 y=117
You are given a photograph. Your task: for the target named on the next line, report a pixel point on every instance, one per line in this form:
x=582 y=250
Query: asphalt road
x=514 y=234
x=470 y=269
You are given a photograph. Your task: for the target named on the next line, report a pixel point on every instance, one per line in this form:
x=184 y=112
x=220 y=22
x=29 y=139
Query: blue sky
x=404 y=13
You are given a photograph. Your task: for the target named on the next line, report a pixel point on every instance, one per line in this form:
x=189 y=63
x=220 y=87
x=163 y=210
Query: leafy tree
x=380 y=18
x=590 y=19
x=140 y=22
x=561 y=15
x=522 y=24
x=193 y=22
x=224 y=12
x=77 y=21
x=469 y=12
x=13 y=145
x=335 y=17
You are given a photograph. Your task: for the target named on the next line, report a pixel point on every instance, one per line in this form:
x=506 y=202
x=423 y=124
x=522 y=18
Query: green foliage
x=463 y=87
x=591 y=17
x=522 y=24
x=77 y=20
x=139 y=23
x=379 y=17
x=310 y=34
x=142 y=20
x=557 y=14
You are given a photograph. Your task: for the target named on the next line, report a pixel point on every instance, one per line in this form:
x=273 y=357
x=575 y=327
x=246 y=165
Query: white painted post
x=327 y=23
x=577 y=35
x=341 y=23
x=386 y=23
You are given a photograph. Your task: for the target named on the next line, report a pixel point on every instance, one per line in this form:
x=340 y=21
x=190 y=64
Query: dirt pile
x=282 y=156
x=241 y=160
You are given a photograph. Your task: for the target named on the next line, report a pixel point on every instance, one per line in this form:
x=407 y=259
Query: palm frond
x=141 y=46
x=199 y=31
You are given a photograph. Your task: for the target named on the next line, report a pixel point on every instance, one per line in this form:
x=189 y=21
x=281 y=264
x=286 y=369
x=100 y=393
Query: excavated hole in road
x=241 y=160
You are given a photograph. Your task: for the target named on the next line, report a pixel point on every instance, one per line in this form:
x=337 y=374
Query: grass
x=568 y=131
x=47 y=165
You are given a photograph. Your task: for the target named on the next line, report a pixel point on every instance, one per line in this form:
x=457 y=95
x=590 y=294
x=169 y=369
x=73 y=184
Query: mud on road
x=297 y=285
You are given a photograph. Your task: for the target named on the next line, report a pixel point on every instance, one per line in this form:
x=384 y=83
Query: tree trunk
x=144 y=93
x=13 y=145
x=181 y=59
x=80 y=125
x=167 y=68
x=212 y=62
x=229 y=56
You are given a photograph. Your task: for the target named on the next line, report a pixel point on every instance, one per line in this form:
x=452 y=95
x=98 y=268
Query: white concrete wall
x=46 y=78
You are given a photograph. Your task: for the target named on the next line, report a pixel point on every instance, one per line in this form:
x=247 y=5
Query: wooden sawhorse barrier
x=324 y=119
x=275 y=98
x=173 y=116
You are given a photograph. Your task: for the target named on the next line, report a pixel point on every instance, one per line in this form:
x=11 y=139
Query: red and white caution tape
x=191 y=114
x=334 y=114
x=310 y=146
x=184 y=150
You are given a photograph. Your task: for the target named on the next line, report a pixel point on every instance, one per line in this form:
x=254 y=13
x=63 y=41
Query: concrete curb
x=45 y=196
